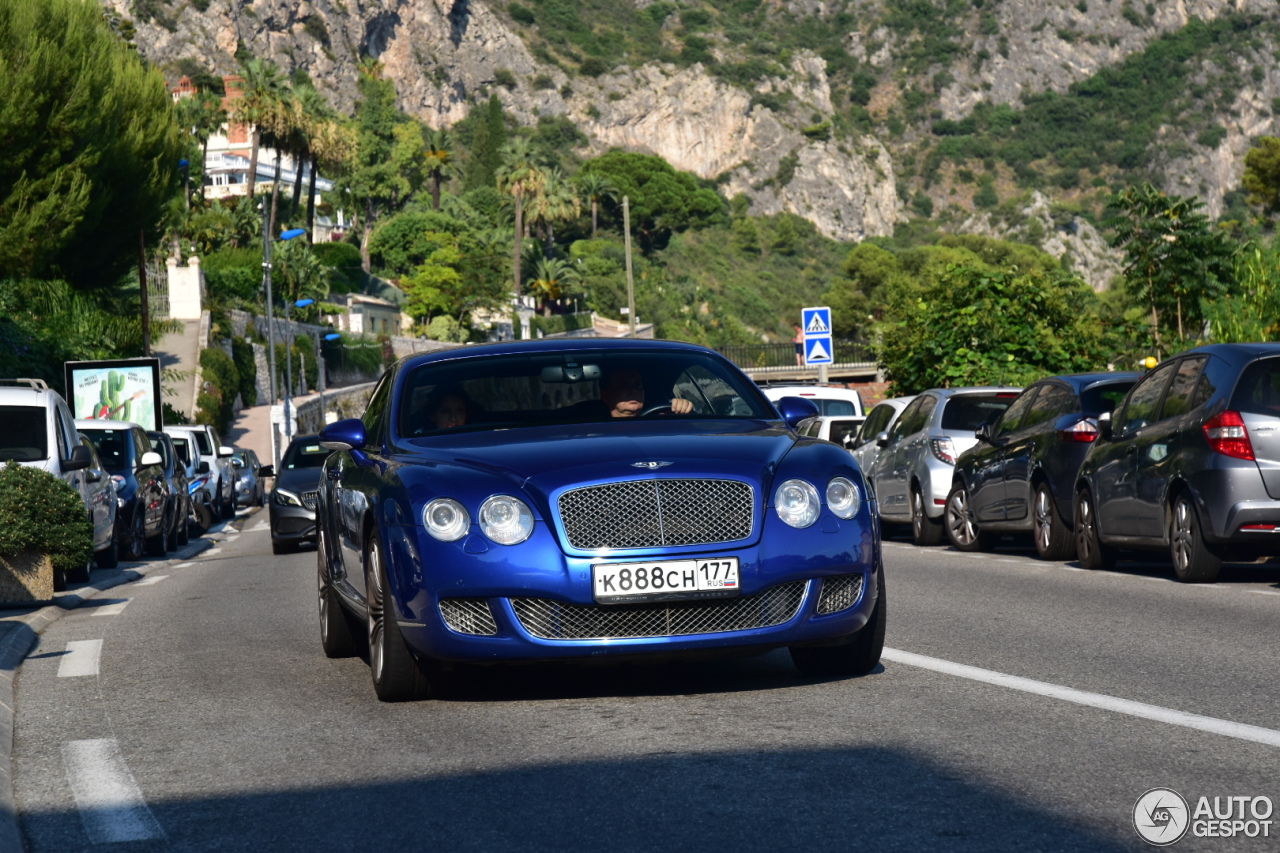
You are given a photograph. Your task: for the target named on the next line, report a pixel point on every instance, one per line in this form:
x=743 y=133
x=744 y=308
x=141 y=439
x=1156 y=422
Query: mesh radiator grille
x=839 y=593
x=652 y=513
x=556 y=620
x=469 y=616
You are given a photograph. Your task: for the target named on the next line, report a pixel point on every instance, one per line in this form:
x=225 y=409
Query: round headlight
x=506 y=520
x=796 y=502
x=446 y=519
x=843 y=498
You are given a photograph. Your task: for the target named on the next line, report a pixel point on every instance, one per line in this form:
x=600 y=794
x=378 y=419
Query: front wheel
x=858 y=656
x=158 y=545
x=1053 y=539
x=1090 y=550
x=962 y=527
x=109 y=557
x=336 y=635
x=924 y=530
x=136 y=536
x=397 y=676
x=1193 y=562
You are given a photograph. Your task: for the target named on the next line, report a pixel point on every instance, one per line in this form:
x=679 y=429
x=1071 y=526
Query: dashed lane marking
x=112 y=609
x=183 y=565
x=152 y=579
x=260 y=526
x=110 y=802
x=81 y=658
x=212 y=551
x=1227 y=728
x=1264 y=592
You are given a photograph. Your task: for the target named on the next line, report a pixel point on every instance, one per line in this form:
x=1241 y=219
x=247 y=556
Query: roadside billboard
x=126 y=389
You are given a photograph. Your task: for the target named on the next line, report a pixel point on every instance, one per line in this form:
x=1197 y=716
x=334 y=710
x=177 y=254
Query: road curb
x=18 y=636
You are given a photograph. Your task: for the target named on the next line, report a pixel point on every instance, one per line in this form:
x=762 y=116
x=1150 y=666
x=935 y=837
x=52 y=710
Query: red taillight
x=1084 y=431
x=1265 y=528
x=1227 y=434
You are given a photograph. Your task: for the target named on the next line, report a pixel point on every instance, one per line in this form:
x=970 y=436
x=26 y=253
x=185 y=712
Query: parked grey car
x=882 y=416
x=1190 y=461
x=251 y=487
x=917 y=454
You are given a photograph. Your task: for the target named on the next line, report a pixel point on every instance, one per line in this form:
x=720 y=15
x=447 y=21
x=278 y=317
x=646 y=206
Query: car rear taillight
x=1264 y=528
x=1083 y=431
x=944 y=449
x=1227 y=434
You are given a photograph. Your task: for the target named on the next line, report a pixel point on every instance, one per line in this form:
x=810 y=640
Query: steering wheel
x=652 y=410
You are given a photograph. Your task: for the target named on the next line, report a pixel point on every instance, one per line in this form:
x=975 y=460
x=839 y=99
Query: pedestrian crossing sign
x=817 y=351
x=817 y=321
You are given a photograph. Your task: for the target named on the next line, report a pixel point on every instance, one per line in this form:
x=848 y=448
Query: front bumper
x=292 y=523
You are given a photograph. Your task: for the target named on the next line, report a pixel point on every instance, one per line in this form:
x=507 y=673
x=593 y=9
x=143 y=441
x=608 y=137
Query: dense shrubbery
x=215 y=403
x=40 y=513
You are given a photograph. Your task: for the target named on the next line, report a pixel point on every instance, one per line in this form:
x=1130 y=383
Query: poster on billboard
x=125 y=389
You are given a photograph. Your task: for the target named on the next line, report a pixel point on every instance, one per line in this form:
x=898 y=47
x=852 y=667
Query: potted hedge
x=45 y=532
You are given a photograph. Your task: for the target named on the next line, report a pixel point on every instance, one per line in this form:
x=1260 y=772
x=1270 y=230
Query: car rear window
x=836 y=408
x=840 y=430
x=24 y=437
x=970 y=411
x=1258 y=391
x=1100 y=399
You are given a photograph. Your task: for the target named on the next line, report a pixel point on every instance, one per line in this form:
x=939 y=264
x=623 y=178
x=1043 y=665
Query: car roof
x=977 y=389
x=552 y=345
x=1081 y=381
x=92 y=423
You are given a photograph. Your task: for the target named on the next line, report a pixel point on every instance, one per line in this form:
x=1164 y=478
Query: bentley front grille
x=655 y=513
x=469 y=616
x=556 y=620
x=839 y=593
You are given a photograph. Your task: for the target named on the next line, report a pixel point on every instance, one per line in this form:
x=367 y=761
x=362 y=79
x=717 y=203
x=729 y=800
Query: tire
x=183 y=534
x=858 y=656
x=158 y=545
x=204 y=516
x=962 y=528
x=109 y=557
x=79 y=575
x=924 y=530
x=1091 y=551
x=136 y=540
x=1053 y=539
x=337 y=637
x=229 y=507
x=397 y=676
x=1193 y=562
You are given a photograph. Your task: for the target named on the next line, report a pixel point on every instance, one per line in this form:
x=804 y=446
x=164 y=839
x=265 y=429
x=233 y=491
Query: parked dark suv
x=1021 y=475
x=141 y=488
x=1190 y=461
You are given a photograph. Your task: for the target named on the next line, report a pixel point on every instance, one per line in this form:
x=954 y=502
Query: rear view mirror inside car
x=570 y=372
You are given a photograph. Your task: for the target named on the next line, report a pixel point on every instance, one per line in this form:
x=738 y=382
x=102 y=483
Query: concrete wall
x=186 y=288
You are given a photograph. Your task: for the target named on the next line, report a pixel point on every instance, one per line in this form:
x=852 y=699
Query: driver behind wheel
x=623 y=395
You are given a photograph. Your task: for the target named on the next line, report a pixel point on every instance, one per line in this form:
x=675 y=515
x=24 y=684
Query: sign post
x=818 y=349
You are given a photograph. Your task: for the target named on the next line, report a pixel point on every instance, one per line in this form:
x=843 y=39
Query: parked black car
x=1190 y=461
x=1021 y=474
x=142 y=492
x=251 y=486
x=292 y=505
x=175 y=473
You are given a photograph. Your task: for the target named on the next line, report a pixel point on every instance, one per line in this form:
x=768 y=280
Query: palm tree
x=595 y=188
x=519 y=177
x=555 y=201
x=439 y=160
x=203 y=114
x=333 y=146
x=258 y=106
x=551 y=280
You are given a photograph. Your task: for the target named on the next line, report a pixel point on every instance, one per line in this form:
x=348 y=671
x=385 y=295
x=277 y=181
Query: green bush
x=216 y=402
x=242 y=355
x=40 y=513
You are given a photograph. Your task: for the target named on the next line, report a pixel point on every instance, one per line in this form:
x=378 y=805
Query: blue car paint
x=537 y=464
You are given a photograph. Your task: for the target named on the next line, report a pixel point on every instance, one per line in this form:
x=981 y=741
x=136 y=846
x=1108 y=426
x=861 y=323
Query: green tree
x=662 y=199
x=439 y=161
x=552 y=280
x=554 y=201
x=485 y=156
x=1262 y=174
x=1252 y=312
x=258 y=106
x=521 y=177
x=89 y=140
x=596 y=188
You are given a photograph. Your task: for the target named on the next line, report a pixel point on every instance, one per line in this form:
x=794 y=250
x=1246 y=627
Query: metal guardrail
x=765 y=358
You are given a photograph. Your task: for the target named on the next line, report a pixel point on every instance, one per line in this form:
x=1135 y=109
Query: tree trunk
x=253 y=162
x=275 y=196
x=435 y=189
x=365 y=233
x=297 y=182
x=551 y=239
x=519 y=241
x=595 y=217
x=311 y=200
x=204 y=158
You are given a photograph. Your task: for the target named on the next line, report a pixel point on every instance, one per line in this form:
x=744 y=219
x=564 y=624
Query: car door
x=895 y=462
x=1115 y=464
x=152 y=488
x=864 y=446
x=986 y=483
x=66 y=437
x=892 y=500
x=352 y=481
x=1158 y=446
x=1027 y=444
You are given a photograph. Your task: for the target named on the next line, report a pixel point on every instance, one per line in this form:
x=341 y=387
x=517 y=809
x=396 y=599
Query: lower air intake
x=839 y=593
x=469 y=616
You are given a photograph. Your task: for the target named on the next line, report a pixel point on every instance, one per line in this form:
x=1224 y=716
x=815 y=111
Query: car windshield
x=967 y=412
x=23 y=437
x=510 y=391
x=113 y=447
x=305 y=454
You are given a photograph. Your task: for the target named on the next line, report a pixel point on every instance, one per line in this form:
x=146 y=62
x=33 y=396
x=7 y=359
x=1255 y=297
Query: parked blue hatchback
x=585 y=500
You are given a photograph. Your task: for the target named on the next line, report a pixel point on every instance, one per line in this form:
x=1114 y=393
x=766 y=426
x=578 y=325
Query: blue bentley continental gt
x=588 y=499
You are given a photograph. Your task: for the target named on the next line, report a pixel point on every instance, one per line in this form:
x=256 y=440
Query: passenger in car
x=450 y=408
x=622 y=395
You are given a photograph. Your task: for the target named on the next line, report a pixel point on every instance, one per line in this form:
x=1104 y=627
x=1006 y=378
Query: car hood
x=299 y=480
x=546 y=459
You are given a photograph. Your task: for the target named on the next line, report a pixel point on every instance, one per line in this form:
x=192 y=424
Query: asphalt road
x=210 y=720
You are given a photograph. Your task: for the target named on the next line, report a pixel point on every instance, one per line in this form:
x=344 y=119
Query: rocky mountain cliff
x=772 y=138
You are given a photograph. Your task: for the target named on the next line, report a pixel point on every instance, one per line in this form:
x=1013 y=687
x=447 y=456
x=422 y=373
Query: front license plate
x=624 y=583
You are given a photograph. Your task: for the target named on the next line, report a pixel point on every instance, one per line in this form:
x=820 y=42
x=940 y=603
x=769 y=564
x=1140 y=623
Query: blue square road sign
x=816 y=321
x=817 y=350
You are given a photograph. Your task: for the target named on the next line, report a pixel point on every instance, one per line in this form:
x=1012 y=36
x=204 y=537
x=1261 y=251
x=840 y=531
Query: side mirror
x=237 y=462
x=796 y=409
x=345 y=435
x=983 y=432
x=224 y=452
x=150 y=458
x=202 y=468
x=267 y=471
x=882 y=439
x=80 y=458
x=1104 y=426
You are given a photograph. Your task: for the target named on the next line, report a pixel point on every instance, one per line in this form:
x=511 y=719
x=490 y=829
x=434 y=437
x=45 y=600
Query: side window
x=1182 y=390
x=1011 y=420
x=875 y=422
x=905 y=421
x=64 y=428
x=373 y=416
x=808 y=427
x=1053 y=402
x=1140 y=408
x=925 y=414
x=141 y=445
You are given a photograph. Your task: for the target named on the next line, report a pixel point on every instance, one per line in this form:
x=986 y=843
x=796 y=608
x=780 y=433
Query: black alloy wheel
x=397 y=676
x=135 y=535
x=1092 y=553
x=1053 y=539
x=924 y=530
x=1193 y=562
x=962 y=528
x=859 y=655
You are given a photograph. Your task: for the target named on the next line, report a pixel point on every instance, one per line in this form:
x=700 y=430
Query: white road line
x=81 y=658
x=262 y=525
x=111 y=805
x=1264 y=592
x=112 y=609
x=181 y=566
x=1257 y=734
x=151 y=579
x=212 y=551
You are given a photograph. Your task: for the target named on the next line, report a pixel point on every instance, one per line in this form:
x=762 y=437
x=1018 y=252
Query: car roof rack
x=34 y=384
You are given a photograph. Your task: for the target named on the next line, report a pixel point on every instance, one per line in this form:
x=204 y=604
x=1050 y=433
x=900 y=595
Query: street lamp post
x=320 y=371
x=271 y=322
x=288 y=358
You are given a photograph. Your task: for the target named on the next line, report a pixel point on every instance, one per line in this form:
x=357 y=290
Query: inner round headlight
x=446 y=519
x=843 y=497
x=506 y=520
x=796 y=502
